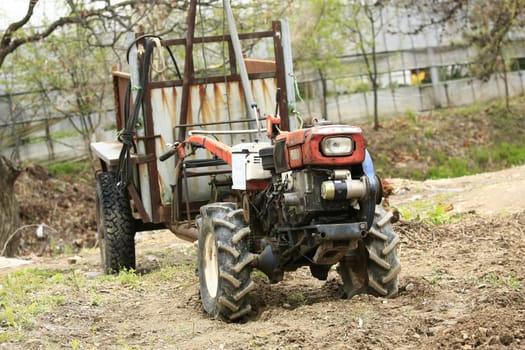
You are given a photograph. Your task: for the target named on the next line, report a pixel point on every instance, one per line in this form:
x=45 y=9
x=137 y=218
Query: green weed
x=429 y=212
x=75 y=344
x=127 y=278
x=296 y=299
x=23 y=297
x=437 y=277
x=411 y=115
x=496 y=280
x=513 y=154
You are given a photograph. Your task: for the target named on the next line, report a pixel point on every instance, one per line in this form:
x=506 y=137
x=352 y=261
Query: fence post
x=434 y=76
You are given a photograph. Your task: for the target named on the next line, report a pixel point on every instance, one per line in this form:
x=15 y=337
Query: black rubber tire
x=373 y=268
x=225 y=263
x=115 y=225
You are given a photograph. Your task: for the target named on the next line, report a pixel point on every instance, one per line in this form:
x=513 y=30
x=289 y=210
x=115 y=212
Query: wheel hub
x=211 y=265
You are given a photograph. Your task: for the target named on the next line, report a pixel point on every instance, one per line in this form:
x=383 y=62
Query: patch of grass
x=182 y=275
x=411 y=115
x=64 y=169
x=296 y=299
x=129 y=279
x=437 y=278
x=481 y=156
x=261 y=275
x=23 y=297
x=496 y=280
x=54 y=136
x=454 y=142
x=453 y=167
x=428 y=212
x=513 y=154
x=439 y=215
x=429 y=133
x=76 y=344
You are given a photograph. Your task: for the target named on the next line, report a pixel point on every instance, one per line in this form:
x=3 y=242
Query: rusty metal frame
x=165 y=213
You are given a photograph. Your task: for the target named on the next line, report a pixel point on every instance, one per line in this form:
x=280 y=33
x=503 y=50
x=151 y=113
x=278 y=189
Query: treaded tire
x=373 y=268
x=115 y=225
x=224 y=262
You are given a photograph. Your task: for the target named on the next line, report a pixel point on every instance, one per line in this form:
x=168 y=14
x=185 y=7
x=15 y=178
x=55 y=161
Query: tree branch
x=8 y=45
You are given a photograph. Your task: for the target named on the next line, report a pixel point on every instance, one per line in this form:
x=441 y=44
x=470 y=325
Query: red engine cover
x=300 y=148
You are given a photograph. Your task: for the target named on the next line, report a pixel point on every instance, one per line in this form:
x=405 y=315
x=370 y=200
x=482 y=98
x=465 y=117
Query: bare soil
x=462 y=286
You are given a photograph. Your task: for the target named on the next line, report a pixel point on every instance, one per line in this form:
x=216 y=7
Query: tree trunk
x=8 y=207
x=376 y=111
x=324 y=92
x=506 y=81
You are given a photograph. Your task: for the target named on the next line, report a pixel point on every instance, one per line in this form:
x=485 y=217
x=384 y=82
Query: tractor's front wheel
x=224 y=262
x=115 y=225
x=373 y=268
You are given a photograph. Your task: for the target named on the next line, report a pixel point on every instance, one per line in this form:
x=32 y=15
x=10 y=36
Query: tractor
x=256 y=186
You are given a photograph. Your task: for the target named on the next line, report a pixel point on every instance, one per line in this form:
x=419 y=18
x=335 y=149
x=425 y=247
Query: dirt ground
x=462 y=286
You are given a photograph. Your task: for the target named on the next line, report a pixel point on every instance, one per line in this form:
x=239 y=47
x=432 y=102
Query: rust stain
x=161 y=144
x=175 y=115
x=219 y=104
x=164 y=98
x=242 y=105
x=228 y=93
x=205 y=106
x=189 y=119
x=265 y=92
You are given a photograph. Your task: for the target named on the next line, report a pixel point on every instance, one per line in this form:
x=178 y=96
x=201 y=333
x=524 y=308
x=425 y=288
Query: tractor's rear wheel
x=115 y=225
x=224 y=262
x=373 y=268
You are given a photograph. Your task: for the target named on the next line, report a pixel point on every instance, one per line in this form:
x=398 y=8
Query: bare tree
x=317 y=40
x=364 y=25
x=19 y=34
x=487 y=25
x=490 y=26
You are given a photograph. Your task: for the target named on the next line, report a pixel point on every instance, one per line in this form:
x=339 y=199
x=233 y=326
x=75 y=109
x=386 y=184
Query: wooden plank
x=107 y=151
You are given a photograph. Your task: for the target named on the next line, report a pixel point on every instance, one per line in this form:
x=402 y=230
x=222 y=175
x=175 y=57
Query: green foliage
x=485 y=136
x=411 y=115
x=440 y=215
x=497 y=280
x=54 y=136
x=428 y=212
x=76 y=344
x=450 y=167
x=319 y=42
x=22 y=299
x=296 y=299
x=129 y=279
x=490 y=23
x=437 y=278
x=68 y=169
x=513 y=154
x=429 y=133
x=361 y=87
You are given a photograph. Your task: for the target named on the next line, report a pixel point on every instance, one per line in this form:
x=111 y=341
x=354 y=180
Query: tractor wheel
x=224 y=262
x=115 y=225
x=374 y=266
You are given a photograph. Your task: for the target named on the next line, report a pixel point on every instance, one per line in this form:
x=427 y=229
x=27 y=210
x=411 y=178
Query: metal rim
x=211 y=265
